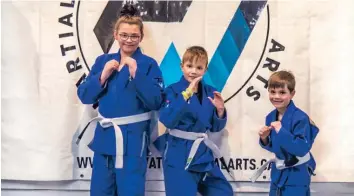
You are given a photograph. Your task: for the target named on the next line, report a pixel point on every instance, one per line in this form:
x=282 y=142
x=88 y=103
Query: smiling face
x=128 y=37
x=281 y=88
x=280 y=97
x=129 y=32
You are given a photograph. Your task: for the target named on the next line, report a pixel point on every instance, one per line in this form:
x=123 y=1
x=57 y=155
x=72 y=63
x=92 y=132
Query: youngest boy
x=289 y=133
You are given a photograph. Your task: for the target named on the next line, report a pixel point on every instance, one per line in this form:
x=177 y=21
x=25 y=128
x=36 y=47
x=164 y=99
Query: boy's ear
x=292 y=94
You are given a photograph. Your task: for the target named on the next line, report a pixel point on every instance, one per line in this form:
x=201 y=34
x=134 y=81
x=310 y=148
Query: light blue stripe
x=170 y=66
x=228 y=51
x=217 y=71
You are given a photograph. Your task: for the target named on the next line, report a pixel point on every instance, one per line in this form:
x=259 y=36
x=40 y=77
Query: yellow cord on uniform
x=188 y=93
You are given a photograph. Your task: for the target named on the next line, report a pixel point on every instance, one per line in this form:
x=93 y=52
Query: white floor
x=153 y=188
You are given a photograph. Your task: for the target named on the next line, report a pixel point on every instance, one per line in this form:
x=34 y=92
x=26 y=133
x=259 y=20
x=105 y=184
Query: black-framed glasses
x=125 y=37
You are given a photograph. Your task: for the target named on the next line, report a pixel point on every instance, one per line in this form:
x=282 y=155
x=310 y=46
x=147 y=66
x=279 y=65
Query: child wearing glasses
x=127 y=86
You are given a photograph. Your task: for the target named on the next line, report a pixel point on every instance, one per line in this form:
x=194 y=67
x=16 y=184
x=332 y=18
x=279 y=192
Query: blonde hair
x=195 y=52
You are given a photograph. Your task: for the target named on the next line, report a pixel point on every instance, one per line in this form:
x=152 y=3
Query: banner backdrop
x=47 y=47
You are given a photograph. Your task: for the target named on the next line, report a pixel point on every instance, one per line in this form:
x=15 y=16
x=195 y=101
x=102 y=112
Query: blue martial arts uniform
x=122 y=96
x=295 y=138
x=196 y=115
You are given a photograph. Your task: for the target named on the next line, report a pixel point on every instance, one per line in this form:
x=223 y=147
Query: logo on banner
x=90 y=38
x=81 y=53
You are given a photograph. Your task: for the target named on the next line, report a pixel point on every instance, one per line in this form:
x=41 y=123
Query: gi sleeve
x=89 y=91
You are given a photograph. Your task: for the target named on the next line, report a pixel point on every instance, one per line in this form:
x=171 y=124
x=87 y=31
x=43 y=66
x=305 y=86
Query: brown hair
x=281 y=78
x=130 y=15
x=195 y=52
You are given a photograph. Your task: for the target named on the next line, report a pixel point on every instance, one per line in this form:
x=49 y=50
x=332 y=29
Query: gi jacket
x=193 y=115
x=123 y=96
x=295 y=138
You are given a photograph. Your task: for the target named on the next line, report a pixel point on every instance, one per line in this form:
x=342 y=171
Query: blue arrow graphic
x=228 y=51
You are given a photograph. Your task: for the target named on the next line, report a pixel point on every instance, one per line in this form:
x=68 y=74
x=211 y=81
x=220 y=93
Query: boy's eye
x=189 y=66
x=200 y=68
x=282 y=92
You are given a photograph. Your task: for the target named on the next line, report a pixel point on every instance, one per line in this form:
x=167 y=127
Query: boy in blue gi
x=128 y=86
x=193 y=110
x=289 y=133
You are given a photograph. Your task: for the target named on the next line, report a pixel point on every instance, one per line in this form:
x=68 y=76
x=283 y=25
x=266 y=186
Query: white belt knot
x=198 y=138
x=106 y=122
x=203 y=136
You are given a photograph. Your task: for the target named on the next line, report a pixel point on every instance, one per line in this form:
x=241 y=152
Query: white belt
x=198 y=138
x=279 y=164
x=114 y=122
